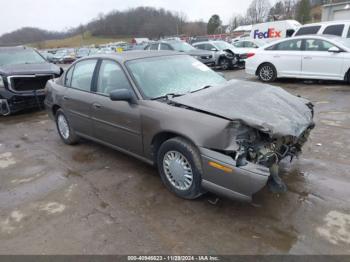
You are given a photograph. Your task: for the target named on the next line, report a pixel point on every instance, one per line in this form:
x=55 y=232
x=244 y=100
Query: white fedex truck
x=276 y=30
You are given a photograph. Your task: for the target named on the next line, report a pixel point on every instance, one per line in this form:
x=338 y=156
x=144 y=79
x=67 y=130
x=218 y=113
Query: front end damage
x=244 y=169
x=21 y=92
x=264 y=127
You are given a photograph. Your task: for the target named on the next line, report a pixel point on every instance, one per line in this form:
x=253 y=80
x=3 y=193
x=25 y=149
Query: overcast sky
x=62 y=14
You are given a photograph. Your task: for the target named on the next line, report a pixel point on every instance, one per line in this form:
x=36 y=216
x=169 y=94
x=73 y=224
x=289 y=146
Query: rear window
x=334 y=30
x=308 y=30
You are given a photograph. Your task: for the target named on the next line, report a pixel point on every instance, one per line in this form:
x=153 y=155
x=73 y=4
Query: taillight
x=250 y=55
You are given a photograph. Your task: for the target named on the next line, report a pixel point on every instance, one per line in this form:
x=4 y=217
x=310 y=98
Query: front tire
x=64 y=129
x=267 y=73
x=224 y=63
x=180 y=168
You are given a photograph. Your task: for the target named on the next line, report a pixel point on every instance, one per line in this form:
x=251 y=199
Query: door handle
x=307 y=57
x=66 y=98
x=96 y=106
x=276 y=56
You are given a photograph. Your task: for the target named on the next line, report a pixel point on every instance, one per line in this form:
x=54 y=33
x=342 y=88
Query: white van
x=338 y=28
x=271 y=31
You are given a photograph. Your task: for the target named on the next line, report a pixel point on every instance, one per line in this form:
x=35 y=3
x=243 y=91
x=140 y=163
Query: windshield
x=159 y=76
x=344 y=41
x=221 y=45
x=259 y=42
x=182 y=46
x=21 y=56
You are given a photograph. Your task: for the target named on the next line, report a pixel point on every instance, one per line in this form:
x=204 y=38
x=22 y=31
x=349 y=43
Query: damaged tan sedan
x=202 y=132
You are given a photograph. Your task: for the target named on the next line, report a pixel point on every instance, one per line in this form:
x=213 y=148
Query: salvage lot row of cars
x=171 y=110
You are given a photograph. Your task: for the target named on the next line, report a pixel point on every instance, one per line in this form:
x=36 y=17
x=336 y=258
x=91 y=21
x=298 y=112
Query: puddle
x=336 y=228
x=9 y=224
x=83 y=157
x=6 y=160
x=25 y=180
x=53 y=208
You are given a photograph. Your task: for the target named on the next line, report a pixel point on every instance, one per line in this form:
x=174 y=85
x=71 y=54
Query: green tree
x=303 y=11
x=213 y=24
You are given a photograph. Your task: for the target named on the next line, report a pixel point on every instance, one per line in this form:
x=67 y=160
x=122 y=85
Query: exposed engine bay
x=259 y=148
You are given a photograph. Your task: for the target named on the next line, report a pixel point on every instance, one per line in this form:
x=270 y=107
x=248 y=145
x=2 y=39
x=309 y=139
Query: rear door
x=286 y=57
x=319 y=63
x=117 y=123
x=77 y=99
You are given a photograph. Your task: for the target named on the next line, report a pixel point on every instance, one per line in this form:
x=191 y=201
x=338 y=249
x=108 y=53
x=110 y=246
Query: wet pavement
x=89 y=199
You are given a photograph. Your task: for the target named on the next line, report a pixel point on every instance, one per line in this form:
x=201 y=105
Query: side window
x=249 y=44
x=165 y=47
x=68 y=77
x=200 y=46
x=154 y=47
x=290 y=45
x=317 y=45
x=82 y=74
x=308 y=30
x=238 y=44
x=111 y=77
x=348 y=33
x=209 y=47
x=334 y=30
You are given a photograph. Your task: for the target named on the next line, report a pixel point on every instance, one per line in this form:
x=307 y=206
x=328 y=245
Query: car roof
x=331 y=37
x=328 y=23
x=137 y=54
x=208 y=42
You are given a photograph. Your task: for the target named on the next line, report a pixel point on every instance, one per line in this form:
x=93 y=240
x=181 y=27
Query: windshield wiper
x=167 y=96
x=204 y=87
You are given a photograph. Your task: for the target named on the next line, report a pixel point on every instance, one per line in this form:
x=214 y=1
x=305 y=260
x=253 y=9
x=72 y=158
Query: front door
x=318 y=63
x=117 y=123
x=77 y=97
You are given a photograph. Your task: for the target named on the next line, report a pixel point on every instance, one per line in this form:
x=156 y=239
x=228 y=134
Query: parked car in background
x=106 y=50
x=82 y=52
x=64 y=56
x=244 y=46
x=197 y=39
x=202 y=132
x=23 y=76
x=222 y=52
x=308 y=57
x=337 y=28
x=47 y=55
x=206 y=57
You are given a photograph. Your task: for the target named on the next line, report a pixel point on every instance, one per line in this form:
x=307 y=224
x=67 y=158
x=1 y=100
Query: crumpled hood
x=261 y=106
x=22 y=69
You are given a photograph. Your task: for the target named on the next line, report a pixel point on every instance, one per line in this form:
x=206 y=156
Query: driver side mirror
x=334 y=49
x=214 y=49
x=121 y=95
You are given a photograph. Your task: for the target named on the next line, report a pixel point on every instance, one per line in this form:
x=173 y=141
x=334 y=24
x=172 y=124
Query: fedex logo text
x=270 y=33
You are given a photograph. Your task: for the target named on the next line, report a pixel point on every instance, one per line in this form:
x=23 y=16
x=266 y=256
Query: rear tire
x=64 y=129
x=267 y=73
x=180 y=168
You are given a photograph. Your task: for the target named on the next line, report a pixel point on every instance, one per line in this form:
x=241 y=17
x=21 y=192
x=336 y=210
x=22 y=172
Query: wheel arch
x=55 y=109
x=159 y=138
x=264 y=63
x=347 y=76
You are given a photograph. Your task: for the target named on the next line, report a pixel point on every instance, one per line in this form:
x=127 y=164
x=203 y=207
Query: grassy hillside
x=76 y=41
